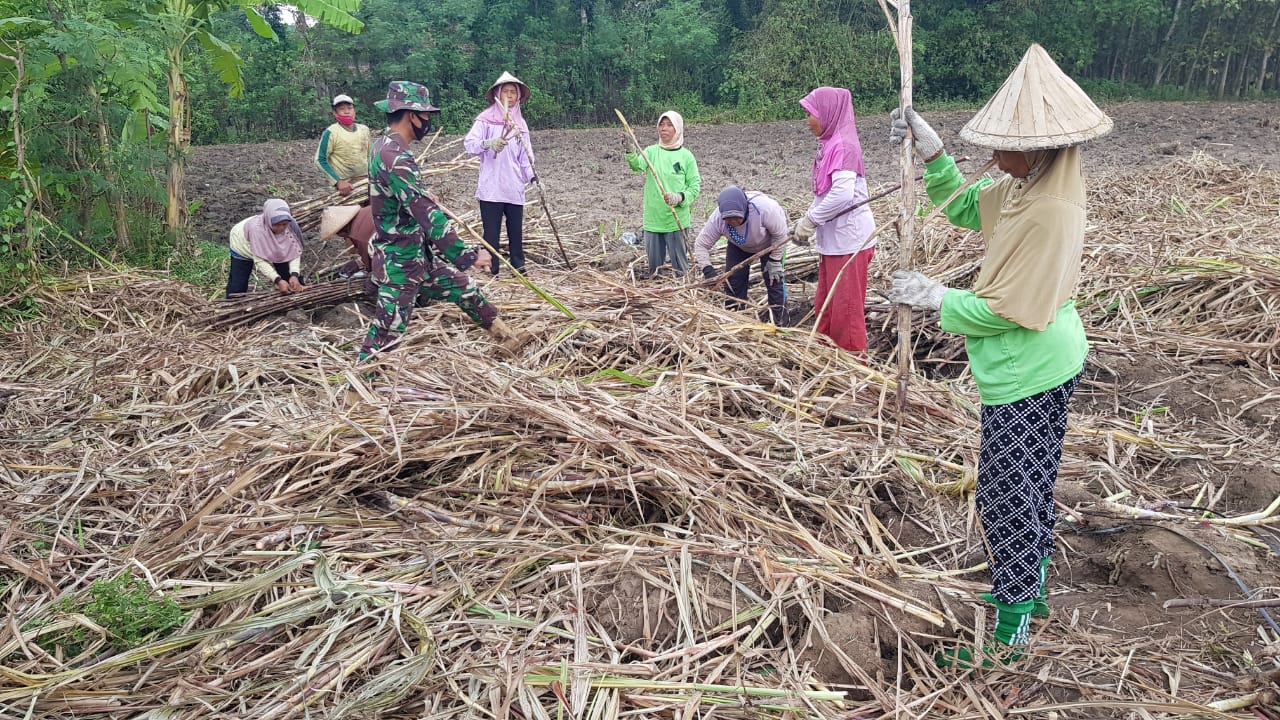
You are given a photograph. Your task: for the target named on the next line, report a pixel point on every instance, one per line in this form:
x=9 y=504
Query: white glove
x=773 y=272
x=926 y=141
x=916 y=289
x=673 y=199
x=495 y=145
x=803 y=230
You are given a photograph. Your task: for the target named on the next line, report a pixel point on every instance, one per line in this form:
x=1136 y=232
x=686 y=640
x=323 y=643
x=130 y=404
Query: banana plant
x=185 y=23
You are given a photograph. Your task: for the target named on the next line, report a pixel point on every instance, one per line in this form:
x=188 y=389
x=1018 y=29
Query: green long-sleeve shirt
x=679 y=173
x=1009 y=362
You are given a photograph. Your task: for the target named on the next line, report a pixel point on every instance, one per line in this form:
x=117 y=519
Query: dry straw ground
x=658 y=509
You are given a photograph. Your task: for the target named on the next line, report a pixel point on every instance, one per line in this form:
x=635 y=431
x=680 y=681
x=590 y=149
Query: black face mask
x=420 y=132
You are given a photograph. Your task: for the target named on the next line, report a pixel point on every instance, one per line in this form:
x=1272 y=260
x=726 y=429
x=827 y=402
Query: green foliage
x=713 y=59
x=800 y=46
x=206 y=265
x=126 y=610
x=1113 y=91
x=18 y=308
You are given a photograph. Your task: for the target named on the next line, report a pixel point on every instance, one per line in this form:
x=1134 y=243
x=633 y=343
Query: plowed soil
x=586 y=177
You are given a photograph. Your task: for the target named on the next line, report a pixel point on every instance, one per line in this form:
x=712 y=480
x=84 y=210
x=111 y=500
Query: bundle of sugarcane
x=250 y=307
x=307 y=212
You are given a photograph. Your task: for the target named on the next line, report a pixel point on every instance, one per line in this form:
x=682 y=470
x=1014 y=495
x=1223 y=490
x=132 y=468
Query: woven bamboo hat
x=503 y=79
x=1038 y=107
x=336 y=217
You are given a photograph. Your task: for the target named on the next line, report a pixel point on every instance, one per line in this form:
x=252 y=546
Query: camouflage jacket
x=401 y=206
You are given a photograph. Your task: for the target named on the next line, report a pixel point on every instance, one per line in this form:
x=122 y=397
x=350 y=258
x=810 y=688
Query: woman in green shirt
x=1025 y=341
x=666 y=210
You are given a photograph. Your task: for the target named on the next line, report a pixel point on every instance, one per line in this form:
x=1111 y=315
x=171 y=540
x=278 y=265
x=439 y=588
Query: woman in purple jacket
x=500 y=137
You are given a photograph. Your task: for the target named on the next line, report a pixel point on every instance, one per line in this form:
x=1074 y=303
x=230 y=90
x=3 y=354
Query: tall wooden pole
x=907 y=216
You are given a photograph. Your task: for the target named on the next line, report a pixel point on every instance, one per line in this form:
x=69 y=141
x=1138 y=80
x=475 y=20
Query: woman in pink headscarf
x=269 y=243
x=845 y=245
x=506 y=166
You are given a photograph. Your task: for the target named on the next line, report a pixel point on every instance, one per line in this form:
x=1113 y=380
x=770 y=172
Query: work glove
x=926 y=141
x=626 y=143
x=916 y=289
x=709 y=272
x=495 y=145
x=673 y=198
x=803 y=230
x=773 y=272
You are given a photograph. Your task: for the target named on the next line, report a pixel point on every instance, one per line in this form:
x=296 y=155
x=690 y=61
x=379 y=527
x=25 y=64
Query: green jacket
x=679 y=173
x=1009 y=362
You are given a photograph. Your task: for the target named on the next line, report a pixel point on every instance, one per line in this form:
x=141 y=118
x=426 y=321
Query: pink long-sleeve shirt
x=843 y=235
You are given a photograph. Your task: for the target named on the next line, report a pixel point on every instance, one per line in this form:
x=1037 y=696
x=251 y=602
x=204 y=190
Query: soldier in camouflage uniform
x=403 y=259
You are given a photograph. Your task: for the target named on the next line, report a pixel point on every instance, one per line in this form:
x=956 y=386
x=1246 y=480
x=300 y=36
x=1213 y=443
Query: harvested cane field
x=658 y=508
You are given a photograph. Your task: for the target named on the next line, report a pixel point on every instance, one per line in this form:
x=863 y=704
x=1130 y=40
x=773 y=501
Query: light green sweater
x=1009 y=362
x=679 y=173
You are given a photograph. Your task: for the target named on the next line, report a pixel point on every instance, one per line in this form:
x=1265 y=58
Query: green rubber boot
x=1013 y=624
x=1041 y=600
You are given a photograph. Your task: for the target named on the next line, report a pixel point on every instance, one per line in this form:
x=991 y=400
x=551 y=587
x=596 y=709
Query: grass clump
x=126 y=610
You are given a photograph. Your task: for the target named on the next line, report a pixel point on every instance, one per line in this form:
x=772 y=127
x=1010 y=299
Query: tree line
x=102 y=98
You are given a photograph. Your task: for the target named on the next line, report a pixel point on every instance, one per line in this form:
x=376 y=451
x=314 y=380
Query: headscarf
x=1034 y=230
x=271 y=246
x=839 y=148
x=733 y=203
x=677 y=140
x=492 y=115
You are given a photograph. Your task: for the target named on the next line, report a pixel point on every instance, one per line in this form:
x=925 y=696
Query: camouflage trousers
x=403 y=267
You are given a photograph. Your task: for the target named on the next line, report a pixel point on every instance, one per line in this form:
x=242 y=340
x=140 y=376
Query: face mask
x=344 y=120
x=421 y=131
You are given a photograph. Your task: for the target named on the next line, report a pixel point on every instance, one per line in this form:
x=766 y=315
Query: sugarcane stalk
x=906 y=217
x=251 y=307
x=1217 y=603
x=1265 y=516
x=684 y=231
x=545 y=678
x=519 y=276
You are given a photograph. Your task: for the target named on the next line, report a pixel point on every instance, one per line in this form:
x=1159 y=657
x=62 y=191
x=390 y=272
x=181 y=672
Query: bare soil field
x=588 y=179
x=659 y=508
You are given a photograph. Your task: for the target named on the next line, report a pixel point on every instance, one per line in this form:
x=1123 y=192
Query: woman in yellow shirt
x=269 y=243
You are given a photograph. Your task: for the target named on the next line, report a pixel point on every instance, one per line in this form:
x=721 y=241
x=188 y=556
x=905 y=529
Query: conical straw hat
x=503 y=79
x=336 y=217
x=1038 y=107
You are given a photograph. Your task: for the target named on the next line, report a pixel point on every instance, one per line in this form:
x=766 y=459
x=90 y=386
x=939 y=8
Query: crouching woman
x=269 y=243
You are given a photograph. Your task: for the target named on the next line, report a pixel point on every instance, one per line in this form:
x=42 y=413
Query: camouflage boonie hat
x=402 y=94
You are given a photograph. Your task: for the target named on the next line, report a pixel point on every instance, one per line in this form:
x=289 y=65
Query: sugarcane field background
x=658 y=508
